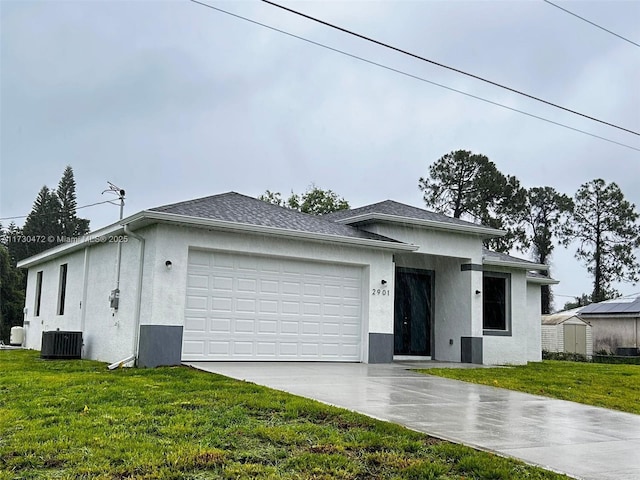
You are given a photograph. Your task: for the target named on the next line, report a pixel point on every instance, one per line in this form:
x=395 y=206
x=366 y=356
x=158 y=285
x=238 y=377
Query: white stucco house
x=232 y=278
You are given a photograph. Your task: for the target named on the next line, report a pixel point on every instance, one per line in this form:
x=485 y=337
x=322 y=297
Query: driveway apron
x=584 y=442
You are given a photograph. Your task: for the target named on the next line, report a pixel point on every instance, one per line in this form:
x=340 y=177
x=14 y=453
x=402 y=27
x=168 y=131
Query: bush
x=564 y=356
x=615 y=359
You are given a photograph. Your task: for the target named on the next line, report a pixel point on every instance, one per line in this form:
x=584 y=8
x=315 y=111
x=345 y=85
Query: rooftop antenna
x=117 y=191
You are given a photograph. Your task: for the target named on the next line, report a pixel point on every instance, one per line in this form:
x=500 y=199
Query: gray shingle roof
x=390 y=207
x=237 y=208
x=613 y=307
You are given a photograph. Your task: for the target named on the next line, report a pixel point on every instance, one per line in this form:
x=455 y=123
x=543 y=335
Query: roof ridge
x=193 y=200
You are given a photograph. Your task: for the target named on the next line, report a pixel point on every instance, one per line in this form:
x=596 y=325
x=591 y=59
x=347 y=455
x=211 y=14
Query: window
x=62 y=290
x=38 y=293
x=496 y=304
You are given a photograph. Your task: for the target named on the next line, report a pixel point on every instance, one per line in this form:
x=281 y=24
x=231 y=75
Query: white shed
x=566 y=332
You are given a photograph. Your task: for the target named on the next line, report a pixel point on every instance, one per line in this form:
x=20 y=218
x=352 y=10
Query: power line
x=453 y=69
x=50 y=214
x=591 y=23
x=401 y=72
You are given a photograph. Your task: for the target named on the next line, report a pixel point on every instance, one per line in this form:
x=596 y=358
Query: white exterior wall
x=512 y=349
x=107 y=334
x=173 y=243
x=533 y=325
x=48 y=318
x=433 y=242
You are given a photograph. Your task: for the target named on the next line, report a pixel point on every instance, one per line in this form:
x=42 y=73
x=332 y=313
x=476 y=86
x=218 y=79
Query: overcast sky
x=171 y=100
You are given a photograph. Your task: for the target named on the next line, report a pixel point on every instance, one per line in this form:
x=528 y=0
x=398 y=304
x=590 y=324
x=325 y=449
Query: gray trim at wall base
x=471 y=350
x=160 y=345
x=380 y=347
x=474 y=267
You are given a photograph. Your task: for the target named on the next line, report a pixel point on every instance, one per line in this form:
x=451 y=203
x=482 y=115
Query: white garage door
x=244 y=307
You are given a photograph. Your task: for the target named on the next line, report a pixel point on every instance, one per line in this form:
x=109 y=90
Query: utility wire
x=51 y=214
x=371 y=62
x=433 y=62
x=591 y=23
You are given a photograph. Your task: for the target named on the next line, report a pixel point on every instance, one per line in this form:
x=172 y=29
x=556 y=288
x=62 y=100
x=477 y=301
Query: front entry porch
x=413 y=312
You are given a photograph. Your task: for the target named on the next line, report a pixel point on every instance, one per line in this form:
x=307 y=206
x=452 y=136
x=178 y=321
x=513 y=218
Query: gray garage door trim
x=247 y=307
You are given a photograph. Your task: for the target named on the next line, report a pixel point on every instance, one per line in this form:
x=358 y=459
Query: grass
x=603 y=385
x=77 y=420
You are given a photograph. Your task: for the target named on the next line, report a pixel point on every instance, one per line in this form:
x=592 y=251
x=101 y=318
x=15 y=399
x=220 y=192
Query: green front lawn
x=75 y=419
x=603 y=385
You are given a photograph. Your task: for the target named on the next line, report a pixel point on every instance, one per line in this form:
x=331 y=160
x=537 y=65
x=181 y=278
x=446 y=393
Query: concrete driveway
x=585 y=442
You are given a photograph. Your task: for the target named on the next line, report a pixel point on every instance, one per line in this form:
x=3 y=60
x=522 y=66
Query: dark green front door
x=412 y=316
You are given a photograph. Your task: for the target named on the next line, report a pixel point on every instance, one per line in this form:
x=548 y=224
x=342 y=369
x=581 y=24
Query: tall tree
x=12 y=239
x=314 y=201
x=545 y=210
x=606 y=227
x=42 y=228
x=11 y=294
x=70 y=224
x=469 y=186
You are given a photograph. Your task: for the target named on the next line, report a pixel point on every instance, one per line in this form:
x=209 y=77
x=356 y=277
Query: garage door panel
x=197 y=302
x=199 y=258
x=269 y=306
x=292 y=308
x=289 y=327
x=196 y=324
x=220 y=304
x=291 y=288
x=245 y=305
x=269 y=286
x=351 y=293
x=312 y=289
x=195 y=280
x=240 y=307
x=193 y=347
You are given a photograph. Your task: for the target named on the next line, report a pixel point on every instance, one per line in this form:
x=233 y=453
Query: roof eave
x=451 y=227
x=610 y=315
x=520 y=265
x=78 y=243
x=149 y=216
x=543 y=281
x=267 y=230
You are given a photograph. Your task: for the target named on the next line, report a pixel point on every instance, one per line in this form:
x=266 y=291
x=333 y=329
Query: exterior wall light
x=383 y=282
x=478 y=292
x=168 y=264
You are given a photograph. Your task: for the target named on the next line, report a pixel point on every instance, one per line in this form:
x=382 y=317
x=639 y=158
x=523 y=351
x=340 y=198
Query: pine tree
x=11 y=294
x=469 y=186
x=70 y=224
x=544 y=214
x=42 y=228
x=606 y=227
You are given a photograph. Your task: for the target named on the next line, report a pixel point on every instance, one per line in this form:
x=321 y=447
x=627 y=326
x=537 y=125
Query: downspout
x=136 y=315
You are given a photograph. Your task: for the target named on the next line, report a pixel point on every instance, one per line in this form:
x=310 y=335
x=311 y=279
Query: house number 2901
x=380 y=291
